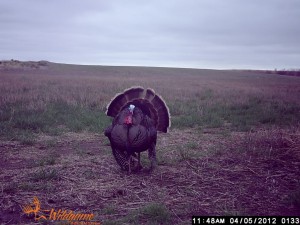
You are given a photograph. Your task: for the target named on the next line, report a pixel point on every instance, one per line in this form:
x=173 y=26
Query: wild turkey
x=138 y=115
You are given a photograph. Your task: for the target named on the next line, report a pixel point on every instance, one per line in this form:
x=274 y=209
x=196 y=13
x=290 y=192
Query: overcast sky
x=229 y=34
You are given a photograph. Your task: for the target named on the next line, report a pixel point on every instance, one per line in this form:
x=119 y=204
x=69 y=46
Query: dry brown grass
x=203 y=170
x=214 y=177
x=95 y=86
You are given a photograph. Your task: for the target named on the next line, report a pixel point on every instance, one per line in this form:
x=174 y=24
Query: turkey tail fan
x=163 y=122
x=159 y=110
x=147 y=100
x=123 y=99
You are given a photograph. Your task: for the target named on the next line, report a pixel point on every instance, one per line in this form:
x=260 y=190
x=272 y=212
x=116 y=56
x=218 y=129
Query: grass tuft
x=44 y=175
x=47 y=160
x=156 y=213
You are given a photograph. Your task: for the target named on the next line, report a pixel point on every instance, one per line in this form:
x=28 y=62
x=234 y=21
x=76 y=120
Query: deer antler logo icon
x=34 y=208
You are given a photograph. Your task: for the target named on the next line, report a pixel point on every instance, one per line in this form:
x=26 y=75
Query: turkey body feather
x=138 y=115
x=135 y=137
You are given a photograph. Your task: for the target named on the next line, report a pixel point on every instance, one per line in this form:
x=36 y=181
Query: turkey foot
x=139 y=166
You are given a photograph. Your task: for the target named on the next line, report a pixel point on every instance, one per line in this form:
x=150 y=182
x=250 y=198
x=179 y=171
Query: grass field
x=233 y=149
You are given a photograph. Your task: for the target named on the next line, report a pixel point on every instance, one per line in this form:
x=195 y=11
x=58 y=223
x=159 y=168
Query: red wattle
x=128 y=120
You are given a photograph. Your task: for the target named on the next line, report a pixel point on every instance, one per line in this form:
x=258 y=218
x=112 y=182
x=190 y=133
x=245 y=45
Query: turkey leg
x=129 y=166
x=139 y=165
x=152 y=156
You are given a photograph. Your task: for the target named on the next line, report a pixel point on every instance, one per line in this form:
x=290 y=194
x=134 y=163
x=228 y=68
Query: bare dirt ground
x=78 y=172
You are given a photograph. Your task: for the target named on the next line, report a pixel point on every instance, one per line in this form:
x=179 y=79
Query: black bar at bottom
x=248 y=220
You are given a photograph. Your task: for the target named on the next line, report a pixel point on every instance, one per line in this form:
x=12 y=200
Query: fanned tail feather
x=147 y=100
x=121 y=100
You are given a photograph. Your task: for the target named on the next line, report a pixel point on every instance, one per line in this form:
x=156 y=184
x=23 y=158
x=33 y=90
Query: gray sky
x=229 y=34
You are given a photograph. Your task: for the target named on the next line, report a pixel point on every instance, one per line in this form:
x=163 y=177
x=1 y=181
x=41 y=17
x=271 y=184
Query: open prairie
x=233 y=148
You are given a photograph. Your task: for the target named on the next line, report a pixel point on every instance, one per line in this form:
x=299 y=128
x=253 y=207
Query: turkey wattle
x=138 y=114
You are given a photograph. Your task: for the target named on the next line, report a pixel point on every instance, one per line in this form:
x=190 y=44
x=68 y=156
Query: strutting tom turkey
x=138 y=114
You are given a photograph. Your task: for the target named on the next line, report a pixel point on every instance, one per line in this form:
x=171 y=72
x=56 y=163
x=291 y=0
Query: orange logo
x=73 y=218
x=34 y=208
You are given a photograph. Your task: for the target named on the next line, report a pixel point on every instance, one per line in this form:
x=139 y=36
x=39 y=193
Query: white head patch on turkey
x=138 y=114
